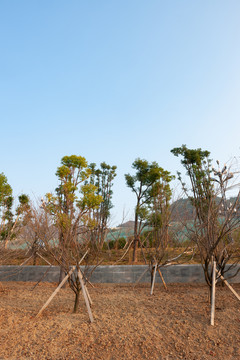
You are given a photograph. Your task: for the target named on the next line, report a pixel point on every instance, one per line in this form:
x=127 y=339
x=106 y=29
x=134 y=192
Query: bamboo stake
x=85 y=297
x=160 y=274
x=229 y=286
x=154 y=278
x=213 y=293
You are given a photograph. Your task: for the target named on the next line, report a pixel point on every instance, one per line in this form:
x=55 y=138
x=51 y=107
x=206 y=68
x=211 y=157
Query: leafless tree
x=216 y=220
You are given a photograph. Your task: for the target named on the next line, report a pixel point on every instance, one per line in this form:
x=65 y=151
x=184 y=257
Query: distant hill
x=129 y=225
x=182 y=209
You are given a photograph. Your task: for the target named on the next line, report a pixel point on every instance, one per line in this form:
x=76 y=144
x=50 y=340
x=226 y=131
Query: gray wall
x=111 y=274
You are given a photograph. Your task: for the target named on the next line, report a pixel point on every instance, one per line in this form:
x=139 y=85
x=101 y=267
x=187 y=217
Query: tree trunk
x=62 y=276
x=136 y=238
x=35 y=258
x=76 y=304
x=63 y=262
x=152 y=271
x=135 y=247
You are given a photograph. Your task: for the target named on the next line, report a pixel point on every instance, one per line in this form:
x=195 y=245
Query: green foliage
x=5 y=190
x=24 y=204
x=121 y=242
x=102 y=179
x=111 y=244
x=9 y=221
x=160 y=202
x=89 y=200
x=198 y=167
x=191 y=156
x=74 y=198
x=73 y=172
x=151 y=185
x=146 y=174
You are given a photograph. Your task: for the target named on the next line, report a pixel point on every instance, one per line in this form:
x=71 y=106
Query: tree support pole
x=88 y=295
x=229 y=286
x=213 y=293
x=140 y=277
x=56 y=291
x=85 y=297
x=60 y=285
x=154 y=278
x=160 y=274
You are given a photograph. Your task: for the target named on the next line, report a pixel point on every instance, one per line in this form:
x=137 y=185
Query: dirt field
x=129 y=324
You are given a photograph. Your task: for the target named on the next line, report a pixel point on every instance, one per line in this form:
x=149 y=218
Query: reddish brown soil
x=129 y=323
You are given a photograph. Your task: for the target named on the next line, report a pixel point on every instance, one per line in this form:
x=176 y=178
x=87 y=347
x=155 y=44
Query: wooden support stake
x=88 y=295
x=213 y=293
x=154 y=278
x=89 y=298
x=25 y=261
x=88 y=281
x=56 y=291
x=44 y=275
x=160 y=274
x=229 y=286
x=141 y=276
x=44 y=259
x=85 y=297
x=60 y=285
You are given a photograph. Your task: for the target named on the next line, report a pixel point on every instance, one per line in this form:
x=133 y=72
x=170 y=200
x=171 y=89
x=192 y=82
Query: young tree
x=160 y=215
x=69 y=209
x=147 y=174
x=37 y=231
x=6 y=203
x=103 y=180
x=10 y=223
x=211 y=231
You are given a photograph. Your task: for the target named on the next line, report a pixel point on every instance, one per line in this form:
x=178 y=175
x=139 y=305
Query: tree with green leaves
x=160 y=214
x=70 y=209
x=198 y=166
x=6 y=203
x=210 y=230
x=10 y=223
x=102 y=178
x=142 y=183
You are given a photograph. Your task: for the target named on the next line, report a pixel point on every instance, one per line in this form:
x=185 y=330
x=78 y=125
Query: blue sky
x=113 y=81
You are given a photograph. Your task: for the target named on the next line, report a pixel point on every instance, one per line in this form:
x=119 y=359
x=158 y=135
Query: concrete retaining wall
x=112 y=274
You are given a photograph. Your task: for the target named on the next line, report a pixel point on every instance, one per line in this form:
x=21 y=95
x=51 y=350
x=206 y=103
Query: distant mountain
x=129 y=225
x=182 y=209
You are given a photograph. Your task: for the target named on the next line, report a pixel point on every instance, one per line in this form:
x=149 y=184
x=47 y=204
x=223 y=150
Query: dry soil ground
x=129 y=323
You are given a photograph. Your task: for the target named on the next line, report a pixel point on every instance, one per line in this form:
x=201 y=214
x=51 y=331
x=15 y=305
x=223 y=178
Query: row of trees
x=75 y=218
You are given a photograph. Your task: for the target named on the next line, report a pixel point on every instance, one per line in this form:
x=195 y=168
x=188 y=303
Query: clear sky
x=113 y=81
